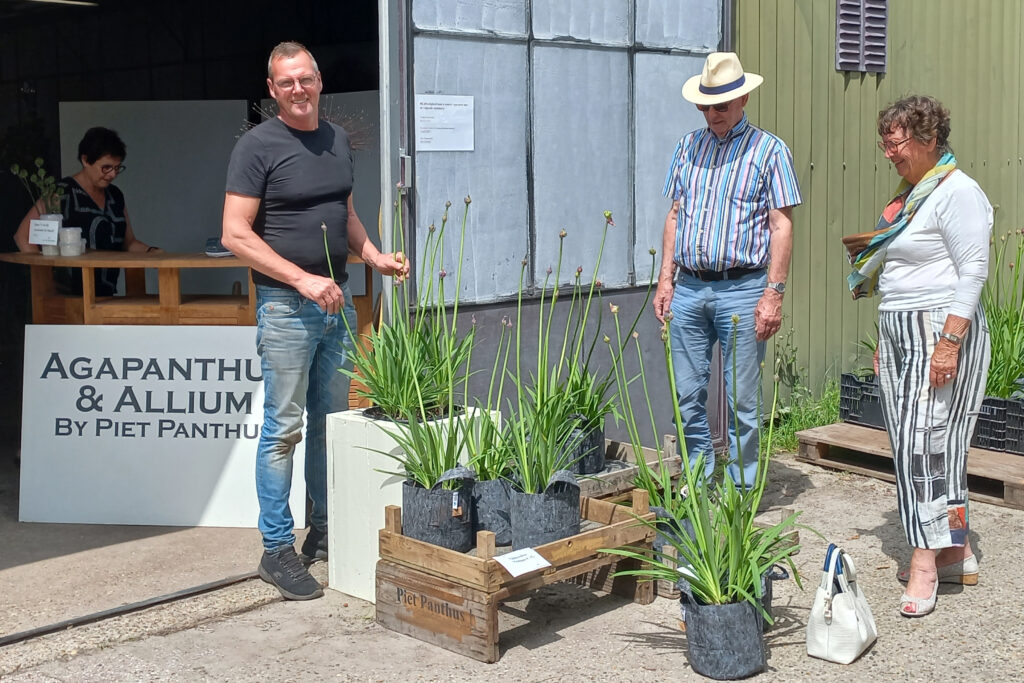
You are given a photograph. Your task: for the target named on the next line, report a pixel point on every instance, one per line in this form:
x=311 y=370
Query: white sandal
x=922 y=606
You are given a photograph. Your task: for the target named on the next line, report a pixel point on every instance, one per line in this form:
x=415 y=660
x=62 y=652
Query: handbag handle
x=833 y=568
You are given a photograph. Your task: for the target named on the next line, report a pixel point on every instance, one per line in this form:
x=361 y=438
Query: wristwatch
x=949 y=336
x=779 y=287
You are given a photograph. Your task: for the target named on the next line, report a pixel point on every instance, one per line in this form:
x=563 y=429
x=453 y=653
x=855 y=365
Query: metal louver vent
x=861 y=27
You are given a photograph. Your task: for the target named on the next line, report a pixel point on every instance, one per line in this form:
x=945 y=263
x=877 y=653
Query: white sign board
x=43 y=231
x=444 y=123
x=143 y=425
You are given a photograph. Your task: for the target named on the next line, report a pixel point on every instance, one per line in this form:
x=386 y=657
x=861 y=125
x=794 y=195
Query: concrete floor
x=246 y=633
x=53 y=572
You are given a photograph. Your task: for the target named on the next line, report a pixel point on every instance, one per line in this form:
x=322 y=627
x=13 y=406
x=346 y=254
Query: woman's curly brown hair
x=922 y=116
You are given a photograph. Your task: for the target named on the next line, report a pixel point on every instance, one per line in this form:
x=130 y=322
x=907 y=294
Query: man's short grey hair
x=288 y=49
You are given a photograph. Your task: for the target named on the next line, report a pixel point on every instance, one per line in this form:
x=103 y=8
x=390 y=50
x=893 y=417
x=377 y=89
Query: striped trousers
x=930 y=429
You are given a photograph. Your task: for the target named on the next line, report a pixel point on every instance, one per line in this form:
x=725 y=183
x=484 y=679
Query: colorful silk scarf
x=863 y=281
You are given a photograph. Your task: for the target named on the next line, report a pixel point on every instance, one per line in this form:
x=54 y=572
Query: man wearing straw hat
x=725 y=258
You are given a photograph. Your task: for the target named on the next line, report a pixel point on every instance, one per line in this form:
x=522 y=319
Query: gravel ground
x=567 y=633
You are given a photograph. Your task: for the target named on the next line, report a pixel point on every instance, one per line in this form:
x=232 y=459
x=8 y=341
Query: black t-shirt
x=102 y=229
x=304 y=179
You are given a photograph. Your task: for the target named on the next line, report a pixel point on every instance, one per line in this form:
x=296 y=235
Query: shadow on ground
x=27 y=542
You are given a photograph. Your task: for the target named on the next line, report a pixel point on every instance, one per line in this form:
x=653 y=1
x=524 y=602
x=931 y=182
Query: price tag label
x=522 y=561
x=43 y=232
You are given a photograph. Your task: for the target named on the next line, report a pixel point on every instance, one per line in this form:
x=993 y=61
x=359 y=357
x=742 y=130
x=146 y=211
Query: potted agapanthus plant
x=413 y=362
x=718 y=554
x=545 y=496
x=487 y=449
x=409 y=369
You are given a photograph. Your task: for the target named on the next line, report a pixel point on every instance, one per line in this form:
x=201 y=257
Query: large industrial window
x=576 y=110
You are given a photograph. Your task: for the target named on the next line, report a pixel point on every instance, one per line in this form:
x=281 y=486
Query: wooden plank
x=437 y=611
x=441 y=562
x=581 y=546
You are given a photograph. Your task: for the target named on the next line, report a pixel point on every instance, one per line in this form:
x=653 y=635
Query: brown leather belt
x=716 y=275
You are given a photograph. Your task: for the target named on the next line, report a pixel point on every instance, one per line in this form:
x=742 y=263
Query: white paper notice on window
x=444 y=123
x=43 y=232
x=522 y=561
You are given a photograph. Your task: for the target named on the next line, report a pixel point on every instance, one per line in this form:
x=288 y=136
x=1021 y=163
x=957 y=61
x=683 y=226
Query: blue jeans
x=301 y=349
x=701 y=315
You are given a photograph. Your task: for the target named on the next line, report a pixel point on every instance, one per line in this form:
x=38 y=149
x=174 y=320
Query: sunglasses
x=720 y=108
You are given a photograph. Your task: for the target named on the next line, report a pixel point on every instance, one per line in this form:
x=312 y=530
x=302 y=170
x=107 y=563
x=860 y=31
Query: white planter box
x=356 y=496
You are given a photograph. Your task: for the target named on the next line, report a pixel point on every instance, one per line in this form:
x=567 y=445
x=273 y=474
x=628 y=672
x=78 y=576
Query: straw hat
x=723 y=79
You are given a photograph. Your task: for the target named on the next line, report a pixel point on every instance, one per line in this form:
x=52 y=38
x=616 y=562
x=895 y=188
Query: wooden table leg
x=170 y=295
x=90 y=314
x=43 y=288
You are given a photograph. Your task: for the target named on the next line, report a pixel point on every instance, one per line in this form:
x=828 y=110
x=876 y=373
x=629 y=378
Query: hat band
x=719 y=89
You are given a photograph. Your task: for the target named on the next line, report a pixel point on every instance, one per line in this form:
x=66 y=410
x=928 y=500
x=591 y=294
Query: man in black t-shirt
x=300 y=168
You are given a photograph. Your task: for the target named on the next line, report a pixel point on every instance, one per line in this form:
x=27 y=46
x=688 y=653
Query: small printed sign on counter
x=522 y=561
x=43 y=232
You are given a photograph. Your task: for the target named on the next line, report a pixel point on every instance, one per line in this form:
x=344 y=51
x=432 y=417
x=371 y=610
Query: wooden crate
x=451 y=599
x=620 y=470
x=993 y=477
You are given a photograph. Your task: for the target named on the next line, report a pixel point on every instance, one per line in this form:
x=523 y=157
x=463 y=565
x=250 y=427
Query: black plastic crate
x=1015 y=426
x=990 y=430
x=1000 y=425
x=860 y=401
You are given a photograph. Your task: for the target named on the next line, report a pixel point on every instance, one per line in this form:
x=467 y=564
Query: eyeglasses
x=720 y=108
x=117 y=170
x=304 y=81
x=892 y=146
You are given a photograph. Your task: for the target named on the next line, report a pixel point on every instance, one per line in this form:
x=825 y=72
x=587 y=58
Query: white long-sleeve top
x=941 y=258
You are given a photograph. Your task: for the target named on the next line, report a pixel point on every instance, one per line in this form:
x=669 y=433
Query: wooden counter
x=168 y=307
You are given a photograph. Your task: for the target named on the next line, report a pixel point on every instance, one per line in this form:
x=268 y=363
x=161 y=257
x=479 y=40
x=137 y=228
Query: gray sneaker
x=283 y=569
x=314 y=547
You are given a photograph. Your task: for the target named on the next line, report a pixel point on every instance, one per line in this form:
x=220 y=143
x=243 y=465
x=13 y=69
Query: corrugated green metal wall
x=966 y=53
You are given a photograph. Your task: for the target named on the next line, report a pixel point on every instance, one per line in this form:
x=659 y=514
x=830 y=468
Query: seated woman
x=92 y=202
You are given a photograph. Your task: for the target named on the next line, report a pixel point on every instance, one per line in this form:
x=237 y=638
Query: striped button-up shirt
x=725 y=188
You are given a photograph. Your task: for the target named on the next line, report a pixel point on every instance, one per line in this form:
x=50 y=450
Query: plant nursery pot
x=439 y=516
x=777 y=573
x=586 y=454
x=539 y=518
x=724 y=642
x=491 y=511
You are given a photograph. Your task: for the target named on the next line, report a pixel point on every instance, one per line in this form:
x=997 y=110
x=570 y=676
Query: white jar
x=69 y=235
x=71 y=248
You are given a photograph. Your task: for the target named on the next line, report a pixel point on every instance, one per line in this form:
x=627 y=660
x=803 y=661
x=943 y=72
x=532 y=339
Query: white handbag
x=841 y=626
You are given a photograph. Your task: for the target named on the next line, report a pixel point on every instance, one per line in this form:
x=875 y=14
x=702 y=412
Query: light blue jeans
x=701 y=315
x=301 y=349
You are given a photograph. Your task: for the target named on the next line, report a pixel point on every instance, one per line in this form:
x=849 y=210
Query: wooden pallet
x=993 y=477
x=451 y=599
